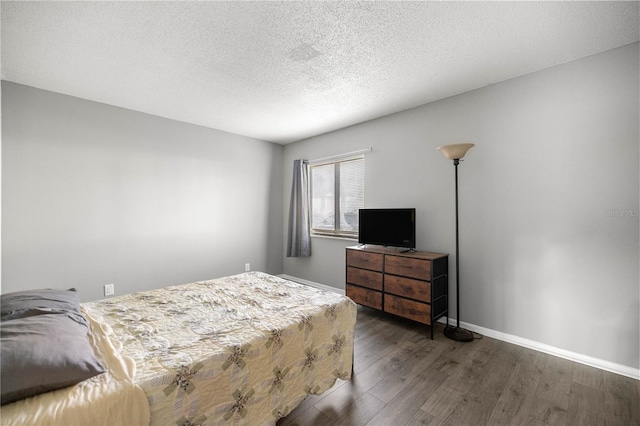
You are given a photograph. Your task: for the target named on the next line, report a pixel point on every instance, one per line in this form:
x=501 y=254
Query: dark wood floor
x=401 y=377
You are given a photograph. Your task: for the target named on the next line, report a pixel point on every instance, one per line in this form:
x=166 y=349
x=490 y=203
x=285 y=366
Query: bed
x=241 y=350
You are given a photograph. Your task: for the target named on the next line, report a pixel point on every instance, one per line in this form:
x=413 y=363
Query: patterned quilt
x=244 y=349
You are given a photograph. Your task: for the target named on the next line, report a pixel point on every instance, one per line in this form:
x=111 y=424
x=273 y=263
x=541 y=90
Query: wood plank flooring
x=402 y=377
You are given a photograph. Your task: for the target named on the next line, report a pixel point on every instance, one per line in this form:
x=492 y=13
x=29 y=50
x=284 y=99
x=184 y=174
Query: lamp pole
x=455 y=165
x=455 y=153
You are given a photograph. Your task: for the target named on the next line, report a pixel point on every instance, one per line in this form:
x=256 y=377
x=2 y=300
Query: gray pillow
x=42 y=353
x=22 y=304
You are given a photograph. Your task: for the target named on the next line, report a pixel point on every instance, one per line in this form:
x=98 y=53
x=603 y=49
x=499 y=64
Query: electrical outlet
x=247 y=267
x=109 y=289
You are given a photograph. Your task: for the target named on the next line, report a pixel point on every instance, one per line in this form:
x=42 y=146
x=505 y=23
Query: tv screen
x=387 y=227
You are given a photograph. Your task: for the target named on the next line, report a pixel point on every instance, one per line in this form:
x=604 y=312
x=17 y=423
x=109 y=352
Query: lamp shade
x=455 y=151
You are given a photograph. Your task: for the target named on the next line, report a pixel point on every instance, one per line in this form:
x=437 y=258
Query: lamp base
x=458 y=334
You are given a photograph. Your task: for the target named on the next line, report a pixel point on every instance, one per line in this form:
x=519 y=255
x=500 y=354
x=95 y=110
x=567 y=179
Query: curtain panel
x=299 y=240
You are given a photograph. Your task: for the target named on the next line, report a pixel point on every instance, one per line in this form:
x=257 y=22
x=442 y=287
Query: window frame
x=336 y=232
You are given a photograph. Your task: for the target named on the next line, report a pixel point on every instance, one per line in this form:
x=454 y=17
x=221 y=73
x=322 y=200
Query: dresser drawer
x=365 y=260
x=407 y=287
x=412 y=285
x=417 y=311
x=408 y=267
x=364 y=278
x=363 y=296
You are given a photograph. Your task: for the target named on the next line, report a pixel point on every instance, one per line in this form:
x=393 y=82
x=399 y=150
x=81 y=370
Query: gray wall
x=93 y=194
x=548 y=201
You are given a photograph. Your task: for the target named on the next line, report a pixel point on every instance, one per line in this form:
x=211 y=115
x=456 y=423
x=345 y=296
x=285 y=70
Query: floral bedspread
x=244 y=349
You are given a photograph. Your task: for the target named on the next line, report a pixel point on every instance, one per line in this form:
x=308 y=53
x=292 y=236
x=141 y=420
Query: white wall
x=93 y=194
x=548 y=201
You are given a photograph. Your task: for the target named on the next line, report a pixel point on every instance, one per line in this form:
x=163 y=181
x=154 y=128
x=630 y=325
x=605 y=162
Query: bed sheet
x=244 y=349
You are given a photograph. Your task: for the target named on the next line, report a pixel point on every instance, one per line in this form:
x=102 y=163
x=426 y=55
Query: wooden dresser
x=412 y=285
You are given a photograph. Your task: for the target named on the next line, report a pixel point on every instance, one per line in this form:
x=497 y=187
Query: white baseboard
x=312 y=284
x=602 y=364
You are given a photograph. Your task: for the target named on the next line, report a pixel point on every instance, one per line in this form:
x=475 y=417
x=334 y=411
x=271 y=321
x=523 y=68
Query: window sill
x=335 y=237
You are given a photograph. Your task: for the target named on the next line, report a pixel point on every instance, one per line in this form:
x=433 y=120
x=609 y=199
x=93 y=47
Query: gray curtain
x=299 y=241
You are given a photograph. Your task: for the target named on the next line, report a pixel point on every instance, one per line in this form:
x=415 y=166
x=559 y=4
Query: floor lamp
x=456 y=152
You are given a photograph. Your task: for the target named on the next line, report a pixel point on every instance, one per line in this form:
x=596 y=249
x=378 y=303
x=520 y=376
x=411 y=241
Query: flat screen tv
x=387 y=227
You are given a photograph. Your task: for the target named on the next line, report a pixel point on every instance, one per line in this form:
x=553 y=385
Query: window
x=337 y=193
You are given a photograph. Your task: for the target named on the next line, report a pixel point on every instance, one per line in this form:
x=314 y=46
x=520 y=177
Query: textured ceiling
x=284 y=71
